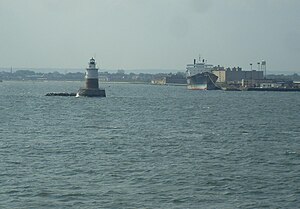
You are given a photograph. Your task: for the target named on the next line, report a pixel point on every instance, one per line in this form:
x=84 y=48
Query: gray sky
x=149 y=34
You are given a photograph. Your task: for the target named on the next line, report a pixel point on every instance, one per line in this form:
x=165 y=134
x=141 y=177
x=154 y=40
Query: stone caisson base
x=91 y=92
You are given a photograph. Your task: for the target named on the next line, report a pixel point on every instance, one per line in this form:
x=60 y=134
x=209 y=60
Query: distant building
x=296 y=84
x=161 y=81
x=221 y=73
x=236 y=74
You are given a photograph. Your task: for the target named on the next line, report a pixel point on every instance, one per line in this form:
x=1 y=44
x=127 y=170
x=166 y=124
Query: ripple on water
x=147 y=147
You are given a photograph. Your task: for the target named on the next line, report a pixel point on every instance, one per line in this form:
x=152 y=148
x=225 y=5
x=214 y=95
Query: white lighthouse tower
x=91 y=75
x=91 y=88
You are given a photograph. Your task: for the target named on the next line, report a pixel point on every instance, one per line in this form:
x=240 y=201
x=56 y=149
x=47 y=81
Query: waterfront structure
x=91 y=88
x=236 y=75
x=160 y=81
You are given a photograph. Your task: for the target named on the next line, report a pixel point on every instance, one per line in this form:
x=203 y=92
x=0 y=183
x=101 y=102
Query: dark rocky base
x=64 y=94
x=91 y=92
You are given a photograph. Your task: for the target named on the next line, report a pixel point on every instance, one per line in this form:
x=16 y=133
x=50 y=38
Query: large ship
x=200 y=77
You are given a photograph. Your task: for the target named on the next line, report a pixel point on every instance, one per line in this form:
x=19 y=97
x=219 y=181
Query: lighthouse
x=91 y=88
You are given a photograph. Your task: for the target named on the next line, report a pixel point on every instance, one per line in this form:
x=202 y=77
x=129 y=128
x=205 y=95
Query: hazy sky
x=149 y=34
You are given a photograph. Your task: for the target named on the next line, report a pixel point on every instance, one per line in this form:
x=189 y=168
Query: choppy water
x=148 y=147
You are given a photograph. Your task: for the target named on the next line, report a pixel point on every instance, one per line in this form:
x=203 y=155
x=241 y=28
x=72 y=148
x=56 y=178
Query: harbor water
x=146 y=146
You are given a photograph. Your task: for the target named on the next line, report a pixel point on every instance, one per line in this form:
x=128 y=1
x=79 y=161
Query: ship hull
x=202 y=81
x=197 y=87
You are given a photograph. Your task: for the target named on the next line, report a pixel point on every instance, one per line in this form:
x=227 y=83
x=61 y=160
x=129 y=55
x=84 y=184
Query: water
x=148 y=147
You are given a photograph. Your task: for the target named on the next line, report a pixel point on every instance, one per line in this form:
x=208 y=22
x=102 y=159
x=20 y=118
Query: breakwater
x=63 y=94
